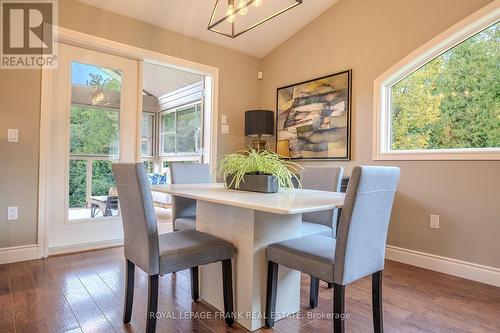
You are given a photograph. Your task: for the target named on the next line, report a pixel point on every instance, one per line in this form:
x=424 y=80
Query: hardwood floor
x=83 y=292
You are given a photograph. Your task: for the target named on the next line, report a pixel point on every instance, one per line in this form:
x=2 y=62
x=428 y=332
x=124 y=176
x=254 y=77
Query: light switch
x=224 y=129
x=12 y=213
x=223 y=119
x=13 y=135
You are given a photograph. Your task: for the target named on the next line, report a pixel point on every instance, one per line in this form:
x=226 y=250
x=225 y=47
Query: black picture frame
x=348 y=100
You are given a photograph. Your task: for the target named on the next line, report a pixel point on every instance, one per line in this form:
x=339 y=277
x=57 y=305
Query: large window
x=180 y=130
x=448 y=106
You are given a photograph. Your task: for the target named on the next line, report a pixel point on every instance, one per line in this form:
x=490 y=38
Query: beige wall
x=366 y=36
x=369 y=37
x=19 y=108
x=20 y=104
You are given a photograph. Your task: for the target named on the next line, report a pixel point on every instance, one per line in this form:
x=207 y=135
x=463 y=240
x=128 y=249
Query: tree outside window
x=452 y=101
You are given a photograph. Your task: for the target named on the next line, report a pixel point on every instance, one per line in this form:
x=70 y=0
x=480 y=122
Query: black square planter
x=256 y=183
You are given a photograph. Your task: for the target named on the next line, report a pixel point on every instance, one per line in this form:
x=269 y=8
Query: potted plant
x=258 y=171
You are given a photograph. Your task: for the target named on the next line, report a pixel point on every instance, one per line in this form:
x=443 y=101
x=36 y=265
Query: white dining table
x=251 y=221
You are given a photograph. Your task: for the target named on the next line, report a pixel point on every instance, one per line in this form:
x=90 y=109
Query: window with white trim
x=147 y=134
x=180 y=130
x=444 y=103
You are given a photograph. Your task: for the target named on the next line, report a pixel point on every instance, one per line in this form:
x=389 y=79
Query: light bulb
x=257 y=3
x=243 y=7
x=230 y=13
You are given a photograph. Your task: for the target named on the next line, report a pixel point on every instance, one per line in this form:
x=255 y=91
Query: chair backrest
x=322 y=179
x=183 y=173
x=362 y=233
x=138 y=216
x=186 y=173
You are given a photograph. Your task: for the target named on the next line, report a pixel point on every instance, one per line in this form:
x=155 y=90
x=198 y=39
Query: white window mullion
x=175 y=130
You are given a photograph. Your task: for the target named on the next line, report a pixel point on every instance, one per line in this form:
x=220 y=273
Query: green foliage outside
x=102 y=177
x=94 y=131
x=77 y=178
x=453 y=101
x=188 y=124
x=97 y=80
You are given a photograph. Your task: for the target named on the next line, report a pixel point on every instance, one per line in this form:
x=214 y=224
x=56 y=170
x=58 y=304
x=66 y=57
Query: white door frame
x=80 y=39
x=68 y=234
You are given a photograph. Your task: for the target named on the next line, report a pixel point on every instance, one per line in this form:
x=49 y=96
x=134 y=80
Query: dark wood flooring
x=83 y=292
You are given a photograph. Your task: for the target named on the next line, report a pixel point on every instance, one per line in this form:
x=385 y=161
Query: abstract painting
x=313 y=118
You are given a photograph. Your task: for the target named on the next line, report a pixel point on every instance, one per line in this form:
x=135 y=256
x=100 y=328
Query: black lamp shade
x=259 y=122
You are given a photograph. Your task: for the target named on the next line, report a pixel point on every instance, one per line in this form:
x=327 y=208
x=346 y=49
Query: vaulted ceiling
x=160 y=80
x=190 y=17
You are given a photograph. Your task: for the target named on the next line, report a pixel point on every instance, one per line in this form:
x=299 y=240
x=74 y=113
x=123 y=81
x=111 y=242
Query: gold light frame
x=212 y=24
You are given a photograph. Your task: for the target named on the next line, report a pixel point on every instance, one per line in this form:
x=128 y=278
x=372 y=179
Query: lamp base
x=259 y=144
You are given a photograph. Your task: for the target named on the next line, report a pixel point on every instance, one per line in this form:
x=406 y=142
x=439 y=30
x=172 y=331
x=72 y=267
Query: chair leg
x=378 y=320
x=313 y=292
x=227 y=287
x=194 y=284
x=272 y=287
x=338 y=308
x=129 y=291
x=152 y=304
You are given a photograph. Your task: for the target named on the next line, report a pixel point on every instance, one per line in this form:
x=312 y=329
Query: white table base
x=251 y=232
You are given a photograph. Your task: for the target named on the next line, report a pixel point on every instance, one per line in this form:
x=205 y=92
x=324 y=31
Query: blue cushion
x=158 y=178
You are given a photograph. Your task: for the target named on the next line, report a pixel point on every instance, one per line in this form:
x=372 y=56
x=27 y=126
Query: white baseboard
x=463 y=269
x=18 y=253
x=84 y=246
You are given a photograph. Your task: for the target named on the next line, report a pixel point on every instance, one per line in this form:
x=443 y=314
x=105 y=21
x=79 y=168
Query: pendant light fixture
x=232 y=18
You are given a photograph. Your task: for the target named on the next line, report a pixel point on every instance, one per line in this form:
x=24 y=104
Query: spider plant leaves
x=252 y=161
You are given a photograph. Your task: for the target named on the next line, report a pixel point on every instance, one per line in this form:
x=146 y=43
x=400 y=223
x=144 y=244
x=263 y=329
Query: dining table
x=251 y=221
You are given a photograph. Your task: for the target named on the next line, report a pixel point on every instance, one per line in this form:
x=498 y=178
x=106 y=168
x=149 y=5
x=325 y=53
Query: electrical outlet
x=12 y=213
x=434 y=222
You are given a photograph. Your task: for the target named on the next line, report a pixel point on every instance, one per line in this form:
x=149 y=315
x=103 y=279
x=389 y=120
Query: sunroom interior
x=171 y=131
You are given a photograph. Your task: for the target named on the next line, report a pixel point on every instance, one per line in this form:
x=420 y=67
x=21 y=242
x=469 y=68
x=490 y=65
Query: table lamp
x=259 y=123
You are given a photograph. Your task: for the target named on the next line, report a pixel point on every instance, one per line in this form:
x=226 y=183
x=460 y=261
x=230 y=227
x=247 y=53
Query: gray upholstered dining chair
x=184 y=209
x=358 y=250
x=321 y=179
x=165 y=253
